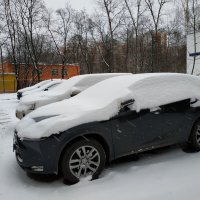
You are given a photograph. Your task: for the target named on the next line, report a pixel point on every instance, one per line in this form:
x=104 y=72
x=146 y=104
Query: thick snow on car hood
x=64 y=90
x=103 y=100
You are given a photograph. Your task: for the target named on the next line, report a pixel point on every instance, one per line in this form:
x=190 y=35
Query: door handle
x=157 y=112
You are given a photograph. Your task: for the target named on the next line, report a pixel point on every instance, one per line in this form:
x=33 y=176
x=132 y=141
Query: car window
x=178 y=106
x=127 y=112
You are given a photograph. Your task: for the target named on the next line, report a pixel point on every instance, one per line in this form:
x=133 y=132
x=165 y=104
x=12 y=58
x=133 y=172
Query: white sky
x=88 y=5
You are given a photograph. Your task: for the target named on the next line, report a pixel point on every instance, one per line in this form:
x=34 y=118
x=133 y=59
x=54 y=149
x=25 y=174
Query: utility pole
x=2 y=68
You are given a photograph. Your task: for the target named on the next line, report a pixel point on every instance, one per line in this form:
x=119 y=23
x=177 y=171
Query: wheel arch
x=193 y=126
x=89 y=136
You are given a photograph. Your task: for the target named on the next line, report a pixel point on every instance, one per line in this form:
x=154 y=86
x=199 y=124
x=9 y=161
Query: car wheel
x=82 y=159
x=194 y=140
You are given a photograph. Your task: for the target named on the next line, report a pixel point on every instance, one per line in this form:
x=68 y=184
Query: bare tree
x=121 y=36
x=114 y=13
x=81 y=33
x=31 y=14
x=135 y=12
x=155 y=10
x=3 y=38
x=59 y=30
x=11 y=27
x=96 y=29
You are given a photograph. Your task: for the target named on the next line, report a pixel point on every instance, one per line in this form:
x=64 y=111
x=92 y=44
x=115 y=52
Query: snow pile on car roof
x=103 y=101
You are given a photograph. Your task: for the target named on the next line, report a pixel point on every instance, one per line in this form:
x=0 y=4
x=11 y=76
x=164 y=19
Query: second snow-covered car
x=116 y=117
x=65 y=90
x=41 y=86
x=33 y=87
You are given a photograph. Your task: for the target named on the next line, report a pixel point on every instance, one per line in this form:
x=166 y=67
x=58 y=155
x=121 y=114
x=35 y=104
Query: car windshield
x=52 y=86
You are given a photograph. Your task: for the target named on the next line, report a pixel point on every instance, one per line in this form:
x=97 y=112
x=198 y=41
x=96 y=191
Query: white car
x=38 y=87
x=67 y=89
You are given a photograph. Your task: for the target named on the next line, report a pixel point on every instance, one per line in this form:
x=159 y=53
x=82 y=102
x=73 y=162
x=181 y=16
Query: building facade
x=27 y=75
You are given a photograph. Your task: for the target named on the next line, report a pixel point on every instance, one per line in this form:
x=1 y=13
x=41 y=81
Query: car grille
x=16 y=142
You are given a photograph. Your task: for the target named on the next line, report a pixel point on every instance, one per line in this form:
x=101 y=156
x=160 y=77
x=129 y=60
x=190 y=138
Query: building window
x=54 y=72
x=40 y=71
x=65 y=72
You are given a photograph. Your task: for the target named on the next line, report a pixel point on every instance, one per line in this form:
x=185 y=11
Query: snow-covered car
x=38 y=85
x=65 y=90
x=41 y=86
x=116 y=117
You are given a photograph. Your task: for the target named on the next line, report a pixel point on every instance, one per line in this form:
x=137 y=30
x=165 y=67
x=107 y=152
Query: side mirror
x=125 y=104
x=46 y=89
x=74 y=93
x=193 y=101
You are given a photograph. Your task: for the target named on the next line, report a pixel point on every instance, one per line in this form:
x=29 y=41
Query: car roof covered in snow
x=84 y=81
x=103 y=101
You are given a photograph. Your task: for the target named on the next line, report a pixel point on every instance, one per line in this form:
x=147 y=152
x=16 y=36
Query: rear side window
x=178 y=106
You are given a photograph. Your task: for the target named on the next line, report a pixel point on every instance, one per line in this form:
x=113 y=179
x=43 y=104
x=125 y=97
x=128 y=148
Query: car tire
x=194 y=140
x=81 y=159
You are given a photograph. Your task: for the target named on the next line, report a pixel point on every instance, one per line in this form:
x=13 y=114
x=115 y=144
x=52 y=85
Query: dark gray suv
x=140 y=113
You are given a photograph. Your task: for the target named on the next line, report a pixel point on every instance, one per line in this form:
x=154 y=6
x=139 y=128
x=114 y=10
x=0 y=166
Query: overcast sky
x=90 y=5
x=76 y=4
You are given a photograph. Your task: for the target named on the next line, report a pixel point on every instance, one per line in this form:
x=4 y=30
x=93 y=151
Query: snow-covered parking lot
x=165 y=174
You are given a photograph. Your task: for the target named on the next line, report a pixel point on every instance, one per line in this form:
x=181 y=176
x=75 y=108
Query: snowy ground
x=164 y=174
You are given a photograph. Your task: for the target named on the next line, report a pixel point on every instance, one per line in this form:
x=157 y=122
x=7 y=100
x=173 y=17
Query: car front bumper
x=21 y=114
x=37 y=156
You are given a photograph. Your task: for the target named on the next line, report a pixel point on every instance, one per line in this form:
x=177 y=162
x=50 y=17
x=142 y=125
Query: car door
x=147 y=129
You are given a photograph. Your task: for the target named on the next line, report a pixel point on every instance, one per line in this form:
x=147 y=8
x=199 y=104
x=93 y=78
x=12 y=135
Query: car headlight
x=32 y=107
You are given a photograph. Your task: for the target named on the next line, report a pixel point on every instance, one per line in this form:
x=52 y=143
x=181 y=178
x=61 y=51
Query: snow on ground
x=164 y=174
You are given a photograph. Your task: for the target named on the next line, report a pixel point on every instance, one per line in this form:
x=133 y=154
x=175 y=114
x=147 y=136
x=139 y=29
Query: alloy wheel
x=198 y=134
x=84 y=161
